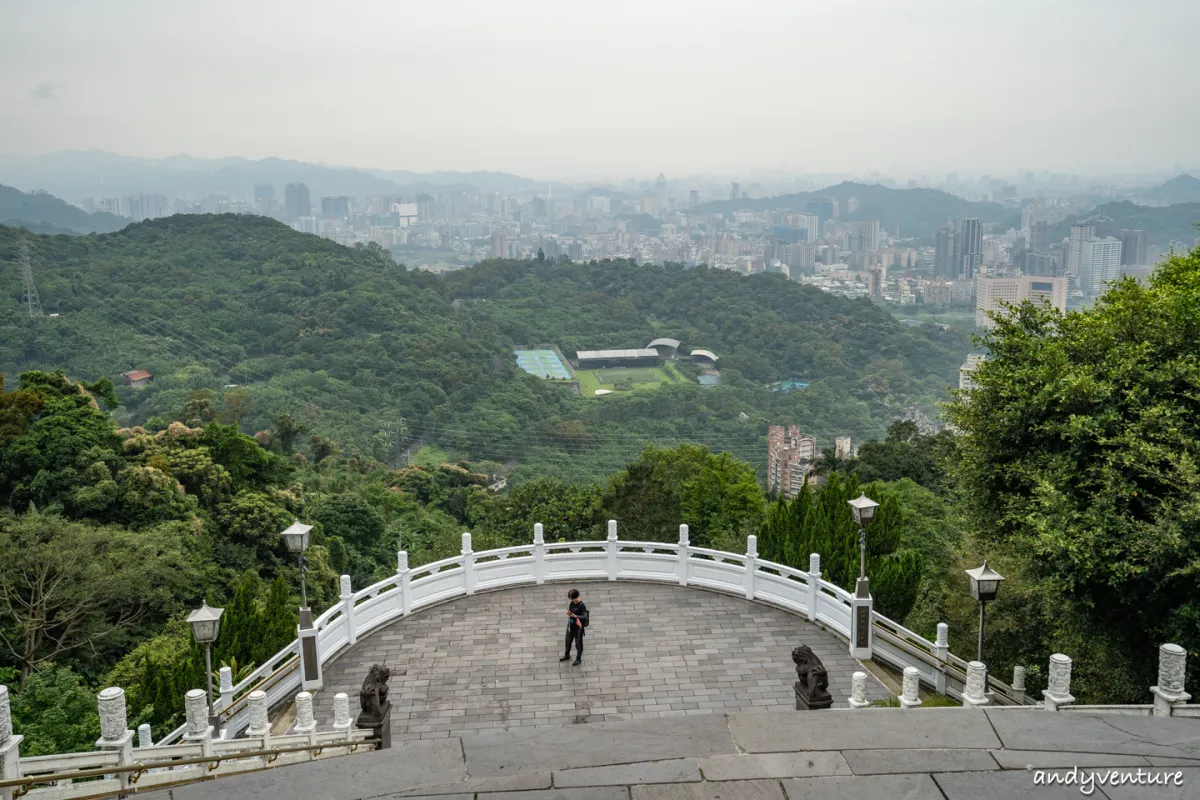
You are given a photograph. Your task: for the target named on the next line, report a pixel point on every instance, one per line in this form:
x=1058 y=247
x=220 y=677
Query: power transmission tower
x=32 y=301
x=396 y=434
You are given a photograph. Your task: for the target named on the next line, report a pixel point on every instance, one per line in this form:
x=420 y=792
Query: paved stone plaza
x=491 y=661
x=868 y=754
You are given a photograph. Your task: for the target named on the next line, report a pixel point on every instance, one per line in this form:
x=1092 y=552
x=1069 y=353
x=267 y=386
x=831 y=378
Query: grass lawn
x=430 y=456
x=641 y=378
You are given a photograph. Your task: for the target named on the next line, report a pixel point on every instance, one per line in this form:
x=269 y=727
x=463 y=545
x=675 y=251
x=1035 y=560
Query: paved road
x=491 y=661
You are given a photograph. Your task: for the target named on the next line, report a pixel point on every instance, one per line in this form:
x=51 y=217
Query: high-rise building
x=575 y=251
x=790 y=458
x=735 y=191
x=693 y=198
x=1133 y=248
x=864 y=236
x=1079 y=235
x=876 y=282
x=335 y=207
x=1099 y=263
x=966 y=373
x=498 y=248
x=1039 y=237
x=943 y=252
x=968 y=244
x=991 y=293
x=295 y=197
x=841 y=447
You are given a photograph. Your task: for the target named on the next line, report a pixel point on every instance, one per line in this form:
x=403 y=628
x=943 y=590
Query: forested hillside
x=259 y=321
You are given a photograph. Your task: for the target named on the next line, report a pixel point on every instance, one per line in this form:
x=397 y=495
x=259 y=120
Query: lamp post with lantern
x=985 y=585
x=863 y=508
x=296 y=538
x=206 y=626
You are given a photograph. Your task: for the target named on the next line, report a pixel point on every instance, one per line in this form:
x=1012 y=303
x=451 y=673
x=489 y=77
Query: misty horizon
x=571 y=94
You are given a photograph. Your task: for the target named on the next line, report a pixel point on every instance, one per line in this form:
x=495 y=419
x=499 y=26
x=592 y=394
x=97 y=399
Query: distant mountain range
x=1180 y=189
x=96 y=173
x=917 y=212
x=1163 y=225
x=45 y=213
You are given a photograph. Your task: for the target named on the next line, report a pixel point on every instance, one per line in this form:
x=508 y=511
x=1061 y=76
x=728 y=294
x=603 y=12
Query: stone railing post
x=858 y=690
x=468 y=565
x=685 y=549
x=198 y=731
x=10 y=746
x=114 y=733
x=751 y=565
x=1169 y=694
x=975 y=692
x=814 y=584
x=347 y=598
x=610 y=546
x=539 y=554
x=1058 y=690
x=941 y=649
x=260 y=726
x=226 y=683
x=305 y=722
x=1018 y=685
x=910 y=692
x=404 y=572
x=145 y=738
x=341 y=714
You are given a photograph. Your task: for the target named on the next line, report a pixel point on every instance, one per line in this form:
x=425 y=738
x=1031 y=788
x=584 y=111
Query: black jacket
x=580 y=610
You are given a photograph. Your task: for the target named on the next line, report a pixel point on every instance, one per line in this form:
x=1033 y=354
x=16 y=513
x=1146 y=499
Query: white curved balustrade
x=803 y=593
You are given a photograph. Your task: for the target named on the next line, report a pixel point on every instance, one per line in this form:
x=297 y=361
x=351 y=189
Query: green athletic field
x=641 y=378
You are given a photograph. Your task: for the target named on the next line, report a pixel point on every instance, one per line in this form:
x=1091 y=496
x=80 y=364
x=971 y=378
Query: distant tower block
x=841 y=447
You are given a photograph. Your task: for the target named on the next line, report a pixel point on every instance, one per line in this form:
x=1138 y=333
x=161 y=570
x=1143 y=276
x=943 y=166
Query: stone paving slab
x=572 y=746
x=676 y=770
x=409 y=766
x=529 y=781
x=873 y=787
x=590 y=793
x=868 y=729
x=773 y=765
x=1097 y=733
x=1020 y=759
x=1006 y=785
x=893 y=762
x=490 y=661
x=730 y=790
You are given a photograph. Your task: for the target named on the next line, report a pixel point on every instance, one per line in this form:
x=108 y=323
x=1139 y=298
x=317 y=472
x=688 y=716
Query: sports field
x=638 y=378
x=543 y=363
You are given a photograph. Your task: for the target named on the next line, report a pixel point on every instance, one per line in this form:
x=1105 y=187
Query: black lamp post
x=296 y=538
x=863 y=509
x=985 y=585
x=206 y=626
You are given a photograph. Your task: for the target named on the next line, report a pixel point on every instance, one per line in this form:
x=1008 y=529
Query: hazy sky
x=568 y=89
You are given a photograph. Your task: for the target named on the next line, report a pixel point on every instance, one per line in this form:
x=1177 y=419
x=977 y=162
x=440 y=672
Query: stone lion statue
x=812 y=679
x=373 y=696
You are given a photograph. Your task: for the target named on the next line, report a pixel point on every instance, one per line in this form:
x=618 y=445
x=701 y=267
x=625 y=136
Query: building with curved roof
x=666 y=347
x=704 y=357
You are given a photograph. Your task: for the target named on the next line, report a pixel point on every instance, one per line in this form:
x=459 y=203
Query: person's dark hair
x=573 y=594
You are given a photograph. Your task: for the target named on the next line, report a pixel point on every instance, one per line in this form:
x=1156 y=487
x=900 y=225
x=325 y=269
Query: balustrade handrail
x=556 y=552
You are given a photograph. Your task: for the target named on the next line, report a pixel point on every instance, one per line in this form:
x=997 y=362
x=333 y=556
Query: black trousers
x=575 y=634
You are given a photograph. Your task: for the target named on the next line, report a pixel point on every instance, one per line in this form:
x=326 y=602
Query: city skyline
x=565 y=93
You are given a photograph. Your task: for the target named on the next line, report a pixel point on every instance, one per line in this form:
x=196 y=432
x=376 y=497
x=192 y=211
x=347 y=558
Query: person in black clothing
x=577 y=621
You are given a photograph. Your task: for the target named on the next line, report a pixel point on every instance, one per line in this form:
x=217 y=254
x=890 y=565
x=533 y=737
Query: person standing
x=577 y=622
